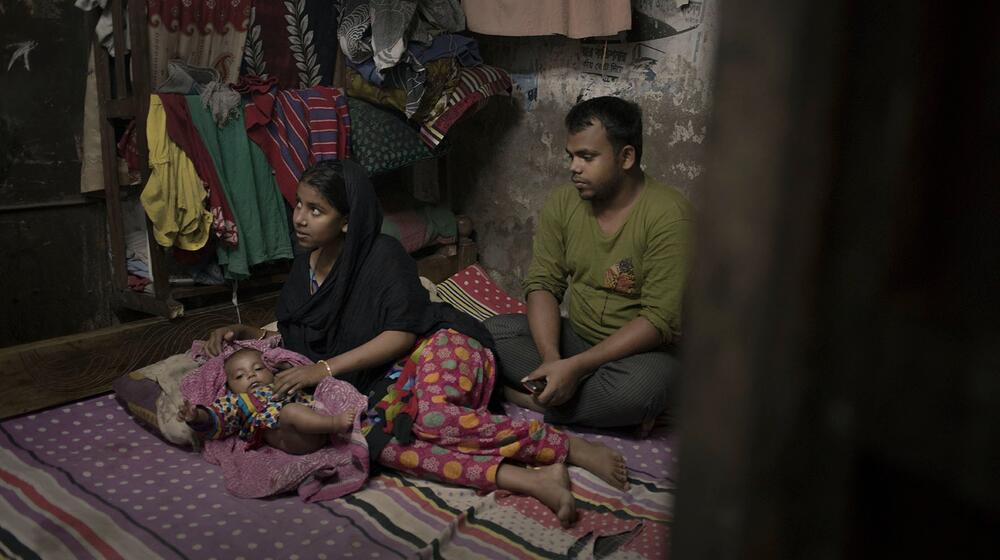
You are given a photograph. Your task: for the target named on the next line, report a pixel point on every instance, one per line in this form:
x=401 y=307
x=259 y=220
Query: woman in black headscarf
x=354 y=305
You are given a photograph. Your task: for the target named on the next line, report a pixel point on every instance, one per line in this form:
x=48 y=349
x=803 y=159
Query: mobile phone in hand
x=535 y=386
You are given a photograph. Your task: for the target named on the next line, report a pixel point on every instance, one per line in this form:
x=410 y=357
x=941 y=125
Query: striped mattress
x=86 y=481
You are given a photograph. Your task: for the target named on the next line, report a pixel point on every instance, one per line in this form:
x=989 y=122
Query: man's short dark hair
x=621 y=119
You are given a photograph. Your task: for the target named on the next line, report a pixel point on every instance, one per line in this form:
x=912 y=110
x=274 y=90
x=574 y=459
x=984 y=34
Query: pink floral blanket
x=338 y=469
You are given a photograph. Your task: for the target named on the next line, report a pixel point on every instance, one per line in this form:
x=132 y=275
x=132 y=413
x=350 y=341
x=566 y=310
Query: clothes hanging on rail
x=463 y=90
x=208 y=34
x=465 y=51
x=414 y=78
x=441 y=75
x=381 y=140
x=383 y=31
x=573 y=18
x=174 y=194
x=261 y=216
x=297 y=128
x=104 y=25
x=472 y=88
x=181 y=130
x=294 y=42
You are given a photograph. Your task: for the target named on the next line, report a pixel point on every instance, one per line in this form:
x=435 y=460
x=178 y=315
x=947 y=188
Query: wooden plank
x=158 y=266
x=142 y=85
x=447 y=260
x=841 y=396
x=181 y=292
x=749 y=377
x=69 y=368
x=117 y=8
x=166 y=307
x=119 y=108
x=109 y=167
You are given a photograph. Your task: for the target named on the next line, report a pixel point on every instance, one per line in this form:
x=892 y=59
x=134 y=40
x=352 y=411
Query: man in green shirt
x=615 y=244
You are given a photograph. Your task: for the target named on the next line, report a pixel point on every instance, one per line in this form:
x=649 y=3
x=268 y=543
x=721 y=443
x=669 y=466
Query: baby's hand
x=188 y=412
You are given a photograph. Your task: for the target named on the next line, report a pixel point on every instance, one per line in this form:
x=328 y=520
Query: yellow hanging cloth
x=174 y=196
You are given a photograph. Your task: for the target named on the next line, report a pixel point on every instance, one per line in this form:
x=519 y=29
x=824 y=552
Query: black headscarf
x=373 y=287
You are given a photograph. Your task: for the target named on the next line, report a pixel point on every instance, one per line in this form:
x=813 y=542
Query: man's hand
x=228 y=333
x=298 y=378
x=562 y=378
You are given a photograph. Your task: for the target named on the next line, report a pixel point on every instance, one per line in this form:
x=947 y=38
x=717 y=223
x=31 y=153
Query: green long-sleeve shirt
x=638 y=271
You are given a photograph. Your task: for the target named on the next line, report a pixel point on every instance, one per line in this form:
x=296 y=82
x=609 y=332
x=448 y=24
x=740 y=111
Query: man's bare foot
x=523 y=400
x=647 y=426
x=549 y=485
x=601 y=460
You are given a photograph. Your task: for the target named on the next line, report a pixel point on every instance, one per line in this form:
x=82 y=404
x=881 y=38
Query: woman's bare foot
x=549 y=485
x=601 y=460
x=553 y=490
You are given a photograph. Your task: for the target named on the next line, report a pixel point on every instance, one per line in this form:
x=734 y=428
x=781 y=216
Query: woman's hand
x=228 y=333
x=298 y=378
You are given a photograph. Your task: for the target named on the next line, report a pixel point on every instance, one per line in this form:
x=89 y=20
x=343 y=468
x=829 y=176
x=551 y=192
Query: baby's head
x=245 y=370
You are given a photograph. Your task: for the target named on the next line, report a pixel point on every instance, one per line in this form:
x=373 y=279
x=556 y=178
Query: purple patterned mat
x=85 y=481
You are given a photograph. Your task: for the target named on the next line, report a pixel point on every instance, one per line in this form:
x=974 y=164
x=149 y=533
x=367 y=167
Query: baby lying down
x=250 y=410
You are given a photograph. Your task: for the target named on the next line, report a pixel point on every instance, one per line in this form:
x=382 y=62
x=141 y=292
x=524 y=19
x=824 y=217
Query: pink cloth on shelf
x=334 y=471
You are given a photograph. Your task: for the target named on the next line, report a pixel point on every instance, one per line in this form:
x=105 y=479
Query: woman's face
x=317 y=223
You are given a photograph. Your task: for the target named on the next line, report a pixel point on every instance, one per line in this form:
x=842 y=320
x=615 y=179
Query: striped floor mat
x=85 y=481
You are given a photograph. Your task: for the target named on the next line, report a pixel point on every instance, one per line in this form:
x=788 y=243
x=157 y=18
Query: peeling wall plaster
x=511 y=155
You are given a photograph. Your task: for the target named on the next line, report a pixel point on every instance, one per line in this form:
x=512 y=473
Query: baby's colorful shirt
x=247 y=414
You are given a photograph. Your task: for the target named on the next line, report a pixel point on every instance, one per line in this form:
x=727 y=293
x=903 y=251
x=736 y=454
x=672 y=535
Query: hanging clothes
x=174 y=195
x=297 y=128
x=473 y=87
x=573 y=18
x=465 y=51
x=181 y=130
x=383 y=30
x=442 y=75
x=210 y=34
x=293 y=42
x=261 y=216
x=104 y=26
x=382 y=141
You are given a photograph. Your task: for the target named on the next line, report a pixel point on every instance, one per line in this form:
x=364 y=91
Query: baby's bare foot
x=343 y=422
x=601 y=460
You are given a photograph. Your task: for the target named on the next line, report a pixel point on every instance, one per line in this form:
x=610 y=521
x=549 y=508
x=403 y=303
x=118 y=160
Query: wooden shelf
x=181 y=292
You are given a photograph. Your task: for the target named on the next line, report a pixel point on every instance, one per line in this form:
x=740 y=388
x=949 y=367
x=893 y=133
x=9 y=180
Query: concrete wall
x=511 y=155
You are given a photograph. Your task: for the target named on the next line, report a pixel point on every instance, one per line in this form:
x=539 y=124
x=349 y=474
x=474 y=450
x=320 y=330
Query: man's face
x=246 y=371
x=595 y=168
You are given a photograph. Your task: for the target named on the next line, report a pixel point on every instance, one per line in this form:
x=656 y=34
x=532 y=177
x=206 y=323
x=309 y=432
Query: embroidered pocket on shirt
x=621 y=278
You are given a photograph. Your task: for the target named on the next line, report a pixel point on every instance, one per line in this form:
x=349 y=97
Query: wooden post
x=841 y=393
